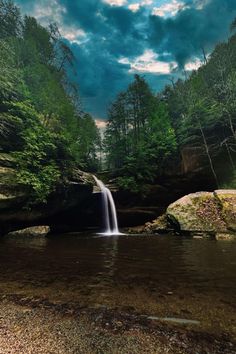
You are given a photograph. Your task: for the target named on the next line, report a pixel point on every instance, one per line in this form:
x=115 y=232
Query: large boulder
x=205 y=212
x=227 y=201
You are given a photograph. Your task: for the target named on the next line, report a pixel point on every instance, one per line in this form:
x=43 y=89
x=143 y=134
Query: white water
x=109 y=210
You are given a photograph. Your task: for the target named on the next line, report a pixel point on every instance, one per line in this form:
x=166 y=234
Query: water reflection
x=161 y=276
x=29 y=242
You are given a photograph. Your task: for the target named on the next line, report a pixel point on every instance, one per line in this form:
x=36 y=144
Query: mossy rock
x=227 y=201
x=159 y=225
x=225 y=237
x=7 y=160
x=198 y=212
x=7 y=175
x=33 y=231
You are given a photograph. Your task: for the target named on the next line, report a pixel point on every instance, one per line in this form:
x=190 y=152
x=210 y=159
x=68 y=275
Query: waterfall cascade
x=109 y=210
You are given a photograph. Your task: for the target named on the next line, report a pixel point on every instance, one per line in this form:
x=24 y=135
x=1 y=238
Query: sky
x=114 y=39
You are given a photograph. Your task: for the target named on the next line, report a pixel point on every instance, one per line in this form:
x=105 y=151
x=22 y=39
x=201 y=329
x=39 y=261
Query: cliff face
x=15 y=197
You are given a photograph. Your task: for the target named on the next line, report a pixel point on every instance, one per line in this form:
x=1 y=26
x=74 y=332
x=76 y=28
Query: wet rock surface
x=34 y=231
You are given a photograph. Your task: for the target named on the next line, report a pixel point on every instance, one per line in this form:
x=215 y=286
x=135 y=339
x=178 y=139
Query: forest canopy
x=199 y=112
x=41 y=122
x=43 y=126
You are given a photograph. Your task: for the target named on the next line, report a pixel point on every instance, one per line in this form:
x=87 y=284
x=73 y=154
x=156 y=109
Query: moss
x=210 y=214
x=7 y=175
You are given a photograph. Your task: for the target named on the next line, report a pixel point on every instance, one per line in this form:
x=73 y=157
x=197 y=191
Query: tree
x=88 y=142
x=138 y=137
x=40 y=122
x=10 y=20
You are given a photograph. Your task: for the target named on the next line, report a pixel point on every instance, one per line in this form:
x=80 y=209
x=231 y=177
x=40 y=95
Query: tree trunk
x=208 y=155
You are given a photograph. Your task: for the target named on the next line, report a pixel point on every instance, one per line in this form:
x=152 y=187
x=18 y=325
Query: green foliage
x=128 y=183
x=139 y=137
x=39 y=118
x=10 y=19
x=231 y=183
x=144 y=131
x=88 y=142
x=37 y=167
x=203 y=108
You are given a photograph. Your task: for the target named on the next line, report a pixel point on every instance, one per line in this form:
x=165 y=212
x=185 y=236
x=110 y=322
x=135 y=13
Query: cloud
x=101 y=124
x=113 y=39
x=149 y=63
x=168 y=9
x=137 y=5
x=44 y=11
x=134 y=7
x=193 y=65
x=73 y=34
x=115 y=2
x=192 y=29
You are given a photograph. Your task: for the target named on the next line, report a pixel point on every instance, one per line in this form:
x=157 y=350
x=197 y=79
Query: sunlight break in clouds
x=149 y=63
x=169 y=9
x=136 y=6
x=101 y=124
x=73 y=35
x=115 y=2
x=193 y=65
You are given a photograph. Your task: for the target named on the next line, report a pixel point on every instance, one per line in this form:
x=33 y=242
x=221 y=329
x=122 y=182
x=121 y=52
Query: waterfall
x=109 y=210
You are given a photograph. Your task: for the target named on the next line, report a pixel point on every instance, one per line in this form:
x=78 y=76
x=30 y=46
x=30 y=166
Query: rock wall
x=14 y=198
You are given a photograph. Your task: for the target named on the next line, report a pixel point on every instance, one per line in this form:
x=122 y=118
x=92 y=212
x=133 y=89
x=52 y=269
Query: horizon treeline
x=145 y=131
x=41 y=121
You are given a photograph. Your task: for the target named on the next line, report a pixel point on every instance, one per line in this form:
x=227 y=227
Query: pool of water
x=162 y=276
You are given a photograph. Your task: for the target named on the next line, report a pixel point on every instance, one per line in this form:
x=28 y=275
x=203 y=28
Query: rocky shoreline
x=38 y=326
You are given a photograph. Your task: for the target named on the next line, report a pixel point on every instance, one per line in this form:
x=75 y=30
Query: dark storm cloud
x=100 y=77
x=117 y=29
x=192 y=29
x=113 y=32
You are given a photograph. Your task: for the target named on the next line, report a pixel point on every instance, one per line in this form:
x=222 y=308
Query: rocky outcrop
x=197 y=212
x=227 y=201
x=200 y=213
x=34 y=231
x=14 y=198
x=205 y=212
x=159 y=225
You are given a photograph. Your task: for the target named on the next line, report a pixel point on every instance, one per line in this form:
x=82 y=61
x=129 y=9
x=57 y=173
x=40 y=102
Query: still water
x=162 y=276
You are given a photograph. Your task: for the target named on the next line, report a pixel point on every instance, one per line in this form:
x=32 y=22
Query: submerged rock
x=34 y=231
x=225 y=237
